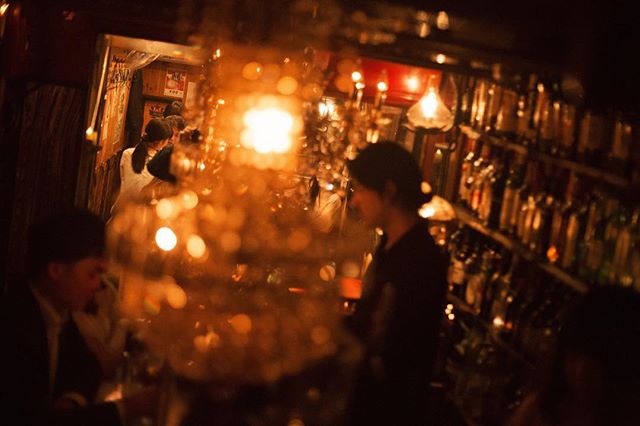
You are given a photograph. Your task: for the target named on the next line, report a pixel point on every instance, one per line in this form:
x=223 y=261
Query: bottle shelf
x=471 y=221
x=533 y=154
x=462 y=306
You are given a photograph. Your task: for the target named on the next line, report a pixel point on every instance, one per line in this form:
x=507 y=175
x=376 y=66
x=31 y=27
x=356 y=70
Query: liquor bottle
x=513 y=182
x=457 y=265
x=467 y=167
x=476 y=178
x=575 y=230
x=595 y=209
x=559 y=220
x=471 y=267
x=630 y=272
x=493 y=107
x=507 y=118
x=486 y=191
x=529 y=209
x=549 y=118
x=475 y=289
x=614 y=223
x=498 y=189
x=521 y=202
x=622 y=247
x=464 y=112
x=479 y=107
x=567 y=130
x=594 y=256
x=492 y=289
x=591 y=138
x=527 y=100
x=617 y=159
x=520 y=298
x=505 y=294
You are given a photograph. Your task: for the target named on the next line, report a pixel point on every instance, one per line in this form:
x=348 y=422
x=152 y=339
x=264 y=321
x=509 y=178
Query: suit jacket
x=24 y=369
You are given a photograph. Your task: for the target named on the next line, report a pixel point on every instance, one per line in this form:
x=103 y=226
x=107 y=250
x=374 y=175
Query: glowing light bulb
x=440 y=58
x=442 y=20
x=268 y=130
x=413 y=83
x=356 y=76
x=427 y=211
x=166 y=239
x=429 y=103
x=383 y=82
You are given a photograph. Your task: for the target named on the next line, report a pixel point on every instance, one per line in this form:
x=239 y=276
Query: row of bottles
x=584 y=230
x=533 y=111
x=512 y=317
x=510 y=295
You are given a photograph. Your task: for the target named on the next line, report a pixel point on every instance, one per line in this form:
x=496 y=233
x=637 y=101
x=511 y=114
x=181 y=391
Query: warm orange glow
x=196 y=246
x=356 y=76
x=252 y=71
x=166 y=239
x=241 y=323
x=327 y=272
x=442 y=20
x=165 y=209
x=429 y=103
x=176 y=296
x=427 y=211
x=268 y=130
x=440 y=58
x=287 y=85
x=413 y=83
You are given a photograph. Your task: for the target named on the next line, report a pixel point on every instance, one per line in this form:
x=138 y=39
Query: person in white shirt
x=133 y=164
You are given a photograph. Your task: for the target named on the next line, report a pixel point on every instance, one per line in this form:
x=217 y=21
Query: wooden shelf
x=471 y=221
x=564 y=163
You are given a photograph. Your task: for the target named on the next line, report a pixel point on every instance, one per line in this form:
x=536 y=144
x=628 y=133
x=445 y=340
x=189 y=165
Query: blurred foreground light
x=413 y=83
x=166 y=239
x=268 y=130
x=442 y=21
x=196 y=246
x=427 y=211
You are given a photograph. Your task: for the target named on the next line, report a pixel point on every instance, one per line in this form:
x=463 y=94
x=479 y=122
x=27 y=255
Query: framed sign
x=175 y=83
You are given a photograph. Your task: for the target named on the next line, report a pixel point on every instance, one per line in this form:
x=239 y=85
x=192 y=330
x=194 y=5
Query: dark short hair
x=174 y=108
x=157 y=129
x=176 y=121
x=66 y=237
x=388 y=161
x=160 y=165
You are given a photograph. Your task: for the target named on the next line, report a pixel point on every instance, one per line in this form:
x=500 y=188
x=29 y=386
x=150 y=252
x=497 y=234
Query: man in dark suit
x=48 y=373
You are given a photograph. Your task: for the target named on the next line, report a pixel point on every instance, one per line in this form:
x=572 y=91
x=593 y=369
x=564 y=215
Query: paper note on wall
x=174 y=83
x=192 y=95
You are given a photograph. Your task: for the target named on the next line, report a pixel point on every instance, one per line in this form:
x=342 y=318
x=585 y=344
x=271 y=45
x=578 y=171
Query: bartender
x=400 y=313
